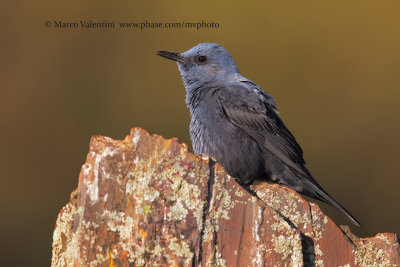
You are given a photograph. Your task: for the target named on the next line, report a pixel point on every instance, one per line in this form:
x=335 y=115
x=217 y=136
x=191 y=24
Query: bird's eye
x=202 y=59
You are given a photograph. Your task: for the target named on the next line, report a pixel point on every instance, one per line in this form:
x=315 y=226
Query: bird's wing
x=247 y=107
x=267 y=98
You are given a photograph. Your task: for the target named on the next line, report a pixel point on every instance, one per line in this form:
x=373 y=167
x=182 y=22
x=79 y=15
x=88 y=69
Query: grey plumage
x=235 y=121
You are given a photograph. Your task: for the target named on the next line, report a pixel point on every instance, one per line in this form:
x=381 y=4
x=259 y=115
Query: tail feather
x=305 y=184
x=322 y=195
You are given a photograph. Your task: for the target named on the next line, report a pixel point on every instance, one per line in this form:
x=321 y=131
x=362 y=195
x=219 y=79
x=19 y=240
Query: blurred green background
x=332 y=66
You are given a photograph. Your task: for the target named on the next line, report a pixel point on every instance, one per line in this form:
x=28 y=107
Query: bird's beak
x=172 y=56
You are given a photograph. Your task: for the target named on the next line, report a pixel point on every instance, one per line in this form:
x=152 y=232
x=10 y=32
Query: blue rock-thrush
x=236 y=122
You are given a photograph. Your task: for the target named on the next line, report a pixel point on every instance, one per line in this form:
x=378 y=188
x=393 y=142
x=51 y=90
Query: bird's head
x=204 y=63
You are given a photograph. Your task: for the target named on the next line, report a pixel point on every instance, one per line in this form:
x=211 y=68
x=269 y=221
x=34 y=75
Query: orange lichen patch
x=111 y=260
x=142 y=233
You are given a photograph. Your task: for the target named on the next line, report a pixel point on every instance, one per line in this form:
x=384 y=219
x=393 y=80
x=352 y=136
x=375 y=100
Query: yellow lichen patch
x=318 y=251
x=177 y=212
x=180 y=248
x=221 y=202
x=289 y=247
x=188 y=198
x=219 y=261
x=287 y=202
x=239 y=192
x=225 y=205
x=66 y=242
x=146 y=209
x=367 y=254
x=384 y=238
x=318 y=221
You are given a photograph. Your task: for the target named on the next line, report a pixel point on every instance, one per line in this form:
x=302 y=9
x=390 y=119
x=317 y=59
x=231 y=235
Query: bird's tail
x=322 y=195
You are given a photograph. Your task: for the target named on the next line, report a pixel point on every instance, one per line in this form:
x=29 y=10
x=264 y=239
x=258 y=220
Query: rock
x=147 y=201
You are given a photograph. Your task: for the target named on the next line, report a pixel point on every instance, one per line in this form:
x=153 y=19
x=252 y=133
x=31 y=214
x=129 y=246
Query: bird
x=236 y=122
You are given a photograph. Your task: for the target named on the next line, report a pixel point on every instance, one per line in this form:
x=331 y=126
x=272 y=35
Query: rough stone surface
x=147 y=201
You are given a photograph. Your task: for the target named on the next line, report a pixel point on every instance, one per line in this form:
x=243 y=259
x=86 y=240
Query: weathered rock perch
x=147 y=201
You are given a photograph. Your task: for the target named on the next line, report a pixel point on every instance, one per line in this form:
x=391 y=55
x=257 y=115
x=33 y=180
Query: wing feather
x=247 y=107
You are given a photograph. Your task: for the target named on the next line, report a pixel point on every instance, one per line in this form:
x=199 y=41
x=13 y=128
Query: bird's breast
x=206 y=131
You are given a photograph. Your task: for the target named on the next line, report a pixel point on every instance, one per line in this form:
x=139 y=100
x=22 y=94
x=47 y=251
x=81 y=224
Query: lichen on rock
x=148 y=201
